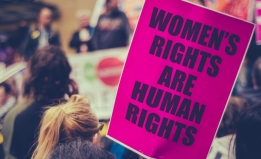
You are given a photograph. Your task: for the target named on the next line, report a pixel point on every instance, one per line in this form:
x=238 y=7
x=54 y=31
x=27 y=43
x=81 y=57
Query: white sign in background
x=97 y=75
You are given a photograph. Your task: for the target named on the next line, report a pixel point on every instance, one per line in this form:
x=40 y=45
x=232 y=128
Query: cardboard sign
x=181 y=67
x=258 y=21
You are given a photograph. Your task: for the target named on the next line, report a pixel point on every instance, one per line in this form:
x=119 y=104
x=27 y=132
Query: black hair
x=256 y=72
x=248 y=134
x=79 y=149
x=49 y=72
x=7 y=87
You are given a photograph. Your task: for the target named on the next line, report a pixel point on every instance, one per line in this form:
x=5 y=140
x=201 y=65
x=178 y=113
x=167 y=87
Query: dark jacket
x=25 y=130
x=18 y=37
x=32 y=41
x=76 y=42
x=112 y=31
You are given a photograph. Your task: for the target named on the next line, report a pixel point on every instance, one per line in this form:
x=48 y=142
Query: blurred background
x=95 y=35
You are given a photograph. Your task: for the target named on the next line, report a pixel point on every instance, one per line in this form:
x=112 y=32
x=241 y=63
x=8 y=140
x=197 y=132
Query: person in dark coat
x=42 y=36
x=19 y=35
x=47 y=82
x=81 y=38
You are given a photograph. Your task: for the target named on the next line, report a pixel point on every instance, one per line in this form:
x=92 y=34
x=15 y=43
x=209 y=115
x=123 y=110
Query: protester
x=47 y=83
x=221 y=145
x=81 y=38
x=113 y=28
x=43 y=35
x=67 y=131
x=253 y=94
x=247 y=137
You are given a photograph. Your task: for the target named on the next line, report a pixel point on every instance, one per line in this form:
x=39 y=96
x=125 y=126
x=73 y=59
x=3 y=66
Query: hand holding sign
x=177 y=79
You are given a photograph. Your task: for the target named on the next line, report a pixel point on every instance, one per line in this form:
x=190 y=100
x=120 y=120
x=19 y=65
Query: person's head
x=45 y=17
x=234 y=108
x=248 y=134
x=64 y=123
x=256 y=73
x=48 y=74
x=79 y=149
x=111 y=5
x=5 y=91
x=84 y=18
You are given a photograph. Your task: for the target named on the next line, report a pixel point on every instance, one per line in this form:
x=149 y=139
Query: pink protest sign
x=258 y=21
x=178 y=76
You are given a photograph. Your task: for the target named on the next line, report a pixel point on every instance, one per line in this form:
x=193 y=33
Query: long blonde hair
x=65 y=122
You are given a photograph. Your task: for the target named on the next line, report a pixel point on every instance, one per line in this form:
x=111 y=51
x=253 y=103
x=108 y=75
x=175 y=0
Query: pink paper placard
x=178 y=76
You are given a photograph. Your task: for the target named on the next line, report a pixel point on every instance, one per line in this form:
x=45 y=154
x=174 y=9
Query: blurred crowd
x=44 y=118
x=46 y=82
x=112 y=30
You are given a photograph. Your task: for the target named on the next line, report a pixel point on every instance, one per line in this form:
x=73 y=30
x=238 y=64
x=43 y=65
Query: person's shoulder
x=121 y=13
x=20 y=116
x=31 y=112
x=32 y=108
